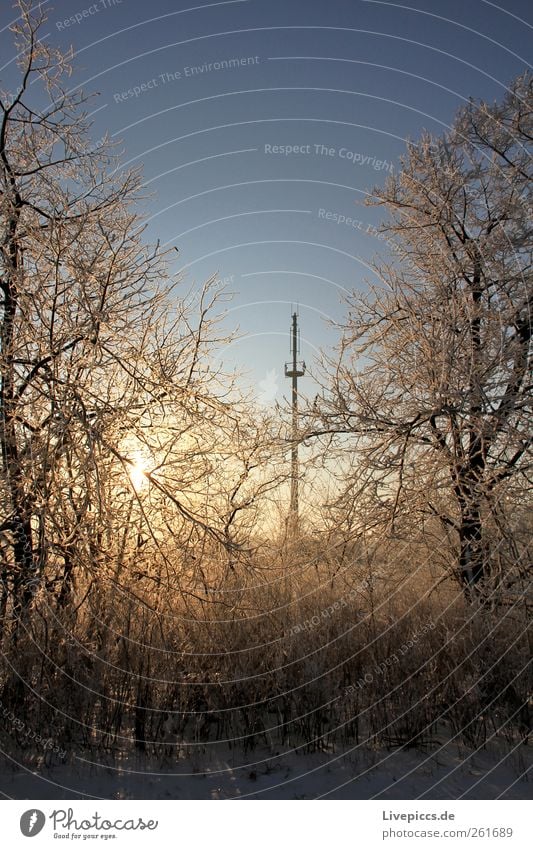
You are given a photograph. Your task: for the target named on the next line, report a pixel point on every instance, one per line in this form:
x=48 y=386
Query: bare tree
x=102 y=362
x=433 y=378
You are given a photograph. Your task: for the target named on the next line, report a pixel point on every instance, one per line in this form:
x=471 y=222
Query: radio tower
x=294 y=370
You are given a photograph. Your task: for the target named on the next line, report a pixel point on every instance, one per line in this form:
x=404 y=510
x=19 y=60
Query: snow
x=448 y=772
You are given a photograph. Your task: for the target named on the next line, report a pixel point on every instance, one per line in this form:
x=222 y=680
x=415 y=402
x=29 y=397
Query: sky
x=262 y=125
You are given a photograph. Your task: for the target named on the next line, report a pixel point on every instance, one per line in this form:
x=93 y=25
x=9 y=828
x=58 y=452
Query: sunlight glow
x=138 y=472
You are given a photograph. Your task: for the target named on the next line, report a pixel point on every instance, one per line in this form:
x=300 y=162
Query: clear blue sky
x=344 y=81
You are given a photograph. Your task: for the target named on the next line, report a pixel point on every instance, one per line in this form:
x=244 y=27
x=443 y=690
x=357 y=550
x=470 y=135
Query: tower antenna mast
x=294 y=370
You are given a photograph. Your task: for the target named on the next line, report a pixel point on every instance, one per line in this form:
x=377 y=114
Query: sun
x=138 y=472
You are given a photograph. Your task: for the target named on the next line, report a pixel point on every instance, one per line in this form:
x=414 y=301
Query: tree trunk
x=471 y=554
x=20 y=523
x=25 y=573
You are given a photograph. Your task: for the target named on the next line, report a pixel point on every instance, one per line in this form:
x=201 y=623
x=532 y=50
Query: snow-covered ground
x=450 y=772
